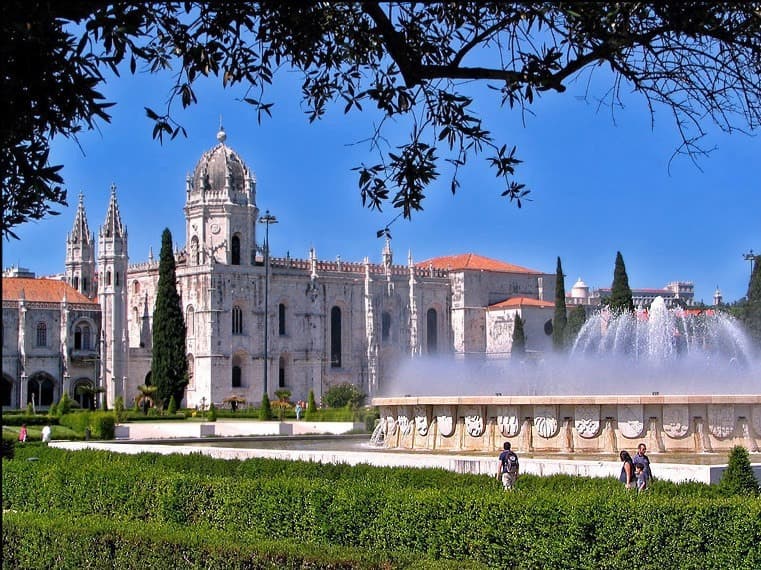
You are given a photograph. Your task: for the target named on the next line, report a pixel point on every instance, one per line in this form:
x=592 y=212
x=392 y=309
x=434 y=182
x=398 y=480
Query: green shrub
x=29 y=420
x=64 y=404
x=29 y=409
x=119 y=410
x=211 y=416
x=102 y=425
x=738 y=478
x=311 y=405
x=265 y=411
x=53 y=410
x=343 y=394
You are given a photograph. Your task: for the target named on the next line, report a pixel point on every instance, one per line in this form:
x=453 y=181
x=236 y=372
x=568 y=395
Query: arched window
x=190 y=321
x=116 y=282
x=84 y=285
x=432 y=327
x=281 y=373
x=76 y=283
x=42 y=334
x=237 y=320
x=195 y=254
x=40 y=391
x=108 y=278
x=281 y=319
x=82 y=337
x=385 y=326
x=235 y=251
x=335 y=337
x=136 y=287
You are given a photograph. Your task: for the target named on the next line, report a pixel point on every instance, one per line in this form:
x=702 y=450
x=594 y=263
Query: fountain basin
x=569 y=424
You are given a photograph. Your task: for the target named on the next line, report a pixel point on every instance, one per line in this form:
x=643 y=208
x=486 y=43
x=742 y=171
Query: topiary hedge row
x=37 y=541
x=101 y=424
x=553 y=522
x=29 y=419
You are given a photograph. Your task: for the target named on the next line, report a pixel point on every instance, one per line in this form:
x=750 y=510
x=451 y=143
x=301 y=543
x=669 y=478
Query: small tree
x=283 y=401
x=560 y=319
x=343 y=394
x=738 y=478
x=519 y=337
x=576 y=320
x=172 y=408
x=265 y=411
x=311 y=404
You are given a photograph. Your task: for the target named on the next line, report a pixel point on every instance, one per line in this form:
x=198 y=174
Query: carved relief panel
x=422 y=420
x=507 y=420
x=587 y=420
x=721 y=420
x=755 y=419
x=546 y=420
x=390 y=423
x=474 y=420
x=403 y=419
x=445 y=420
x=676 y=420
x=631 y=420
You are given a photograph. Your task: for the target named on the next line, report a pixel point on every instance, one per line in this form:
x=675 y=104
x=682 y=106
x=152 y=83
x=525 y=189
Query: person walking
x=508 y=467
x=627 y=476
x=22 y=435
x=640 y=458
x=46 y=432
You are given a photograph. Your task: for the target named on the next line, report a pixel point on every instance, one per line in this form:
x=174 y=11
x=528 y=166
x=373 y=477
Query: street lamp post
x=750 y=256
x=267 y=219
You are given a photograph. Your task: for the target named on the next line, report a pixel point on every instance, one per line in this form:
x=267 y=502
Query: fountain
x=681 y=381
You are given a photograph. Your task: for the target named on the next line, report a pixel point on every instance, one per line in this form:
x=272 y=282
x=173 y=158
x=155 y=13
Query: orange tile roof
x=474 y=262
x=517 y=302
x=41 y=290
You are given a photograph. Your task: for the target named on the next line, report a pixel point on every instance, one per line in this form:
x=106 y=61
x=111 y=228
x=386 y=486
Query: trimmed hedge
x=30 y=420
x=546 y=523
x=38 y=541
x=101 y=424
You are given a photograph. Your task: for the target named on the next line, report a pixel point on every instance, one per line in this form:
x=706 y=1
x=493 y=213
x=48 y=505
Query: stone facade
x=326 y=321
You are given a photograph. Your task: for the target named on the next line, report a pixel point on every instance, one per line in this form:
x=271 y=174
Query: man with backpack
x=508 y=467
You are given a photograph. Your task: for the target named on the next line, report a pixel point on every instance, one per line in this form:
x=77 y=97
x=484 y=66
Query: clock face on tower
x=215 y=228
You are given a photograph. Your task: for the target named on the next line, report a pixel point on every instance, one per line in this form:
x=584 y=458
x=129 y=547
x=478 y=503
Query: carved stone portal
x=631 y=420
x=507 y=420
x=721 y=420
x=676 y=420
x=587 y=420
x=546 y=420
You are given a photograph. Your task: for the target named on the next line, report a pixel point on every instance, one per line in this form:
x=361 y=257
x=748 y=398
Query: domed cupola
x=222 y=174
x=220 y=208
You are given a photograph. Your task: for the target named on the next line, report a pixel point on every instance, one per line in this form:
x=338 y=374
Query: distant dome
x=580 y=290
x=220 y=170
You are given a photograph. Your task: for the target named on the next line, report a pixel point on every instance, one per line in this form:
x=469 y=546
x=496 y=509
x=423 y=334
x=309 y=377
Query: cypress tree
x=169 y=365
x=752 y=313
x=311 y=404
x=560 y=319
x=620 y=294
x=519 y=337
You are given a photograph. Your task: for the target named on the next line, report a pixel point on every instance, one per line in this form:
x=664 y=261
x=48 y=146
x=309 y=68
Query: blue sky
x=601 y=182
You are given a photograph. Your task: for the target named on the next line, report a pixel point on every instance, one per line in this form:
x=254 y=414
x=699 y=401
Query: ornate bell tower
x=112 y=295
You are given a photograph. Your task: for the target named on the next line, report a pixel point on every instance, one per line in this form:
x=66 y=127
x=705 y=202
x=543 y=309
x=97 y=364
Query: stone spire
x=113 y=227
x=80 y=232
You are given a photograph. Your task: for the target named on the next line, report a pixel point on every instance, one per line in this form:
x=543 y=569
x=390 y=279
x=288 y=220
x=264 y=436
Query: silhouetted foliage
x=395 y=62
x=576 y=320
x=343 y=394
